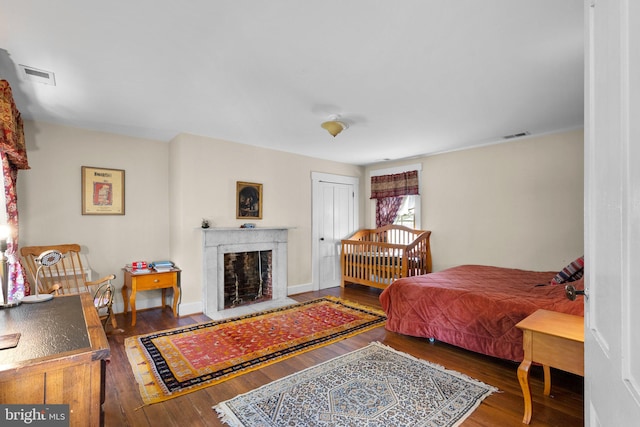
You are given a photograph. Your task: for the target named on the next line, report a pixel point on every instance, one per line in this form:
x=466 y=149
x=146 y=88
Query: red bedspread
x=474 y=307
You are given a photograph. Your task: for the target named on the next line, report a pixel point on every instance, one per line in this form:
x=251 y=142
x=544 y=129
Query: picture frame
x=248 y=200
x=102 y=191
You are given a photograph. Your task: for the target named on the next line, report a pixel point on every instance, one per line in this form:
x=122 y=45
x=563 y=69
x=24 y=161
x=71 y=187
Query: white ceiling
x=412 y=77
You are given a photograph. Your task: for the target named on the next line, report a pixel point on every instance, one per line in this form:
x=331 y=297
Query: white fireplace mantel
x=219 y=241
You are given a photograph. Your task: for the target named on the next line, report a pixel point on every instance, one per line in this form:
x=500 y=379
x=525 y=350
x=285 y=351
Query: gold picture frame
x=248 y=200
x=102 y=191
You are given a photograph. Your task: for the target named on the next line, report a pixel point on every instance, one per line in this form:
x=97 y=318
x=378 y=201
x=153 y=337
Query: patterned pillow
x=571 y=272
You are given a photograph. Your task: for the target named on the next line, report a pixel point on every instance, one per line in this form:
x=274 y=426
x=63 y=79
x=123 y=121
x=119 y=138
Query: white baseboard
x=186 y=309
x=298 y=289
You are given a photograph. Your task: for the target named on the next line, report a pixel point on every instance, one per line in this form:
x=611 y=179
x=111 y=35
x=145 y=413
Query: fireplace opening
x=247 y=278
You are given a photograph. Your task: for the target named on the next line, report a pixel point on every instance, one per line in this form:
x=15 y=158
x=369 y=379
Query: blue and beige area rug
x=372 y=386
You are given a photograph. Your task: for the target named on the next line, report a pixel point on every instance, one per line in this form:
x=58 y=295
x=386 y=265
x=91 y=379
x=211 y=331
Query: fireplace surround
x=220 y=241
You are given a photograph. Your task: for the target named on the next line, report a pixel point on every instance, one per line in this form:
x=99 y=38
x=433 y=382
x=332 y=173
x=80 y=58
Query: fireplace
x=247 y=278
x=243 y=259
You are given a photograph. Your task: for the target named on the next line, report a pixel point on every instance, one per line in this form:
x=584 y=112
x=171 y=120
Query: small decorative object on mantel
x=205 y=223
x=248 y=225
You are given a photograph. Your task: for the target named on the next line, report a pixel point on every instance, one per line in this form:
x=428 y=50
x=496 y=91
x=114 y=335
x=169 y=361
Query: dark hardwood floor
x=124 y=407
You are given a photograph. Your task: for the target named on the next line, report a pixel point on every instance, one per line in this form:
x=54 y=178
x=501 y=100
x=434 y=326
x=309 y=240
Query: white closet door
x=335 y=218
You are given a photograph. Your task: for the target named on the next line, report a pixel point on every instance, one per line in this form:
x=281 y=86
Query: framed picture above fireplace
x=248 y=200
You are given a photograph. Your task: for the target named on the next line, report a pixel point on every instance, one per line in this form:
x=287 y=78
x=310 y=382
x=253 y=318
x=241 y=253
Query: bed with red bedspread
x=475 y=307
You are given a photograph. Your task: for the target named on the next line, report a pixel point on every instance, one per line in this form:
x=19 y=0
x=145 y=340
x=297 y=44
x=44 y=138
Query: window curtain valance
x=399 y=184
x=11 y=129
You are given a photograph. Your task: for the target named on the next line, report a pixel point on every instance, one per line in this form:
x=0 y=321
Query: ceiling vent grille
x=516 y=135
x=38 y=76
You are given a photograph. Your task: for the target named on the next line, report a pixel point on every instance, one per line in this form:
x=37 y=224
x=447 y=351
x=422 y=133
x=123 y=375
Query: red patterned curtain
x=400 y=184
x=12 y=132
x=389 y=191
x=13 y=153
x=387 y=210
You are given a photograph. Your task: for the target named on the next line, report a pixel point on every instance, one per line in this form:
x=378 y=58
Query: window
x=396 y=183
x=407 y=212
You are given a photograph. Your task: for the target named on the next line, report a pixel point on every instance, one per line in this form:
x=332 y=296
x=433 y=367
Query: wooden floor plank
x=124 y=406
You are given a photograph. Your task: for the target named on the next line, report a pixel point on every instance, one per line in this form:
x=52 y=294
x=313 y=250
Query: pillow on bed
x=570 y=273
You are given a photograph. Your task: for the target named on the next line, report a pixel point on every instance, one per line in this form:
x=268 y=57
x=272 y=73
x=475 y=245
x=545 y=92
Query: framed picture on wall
x=102 y=191
x=248 y=200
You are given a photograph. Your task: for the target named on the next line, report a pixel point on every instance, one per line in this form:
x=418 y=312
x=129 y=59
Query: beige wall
x=169 y=189
x=49 y=194
x=203 y=174
x=517 y=204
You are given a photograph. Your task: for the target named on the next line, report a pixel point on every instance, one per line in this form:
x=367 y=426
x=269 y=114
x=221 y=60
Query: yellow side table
x=147 y=281
x=551 y=339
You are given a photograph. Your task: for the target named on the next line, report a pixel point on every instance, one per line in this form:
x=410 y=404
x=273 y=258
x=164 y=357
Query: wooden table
x=60 y=357
x=554 y=340
x=147 y=281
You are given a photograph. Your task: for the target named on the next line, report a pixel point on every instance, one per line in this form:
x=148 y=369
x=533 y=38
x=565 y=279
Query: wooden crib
x=377 y=257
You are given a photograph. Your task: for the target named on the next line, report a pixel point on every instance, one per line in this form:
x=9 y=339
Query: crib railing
x=377 y=257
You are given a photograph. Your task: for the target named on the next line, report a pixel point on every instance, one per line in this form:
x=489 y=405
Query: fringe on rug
x=227 y=416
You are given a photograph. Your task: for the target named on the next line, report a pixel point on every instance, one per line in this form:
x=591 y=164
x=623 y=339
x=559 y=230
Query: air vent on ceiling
x=516 y=135
x=39 y=76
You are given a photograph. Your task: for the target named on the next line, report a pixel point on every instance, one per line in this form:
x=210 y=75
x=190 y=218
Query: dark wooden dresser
x=60 y=358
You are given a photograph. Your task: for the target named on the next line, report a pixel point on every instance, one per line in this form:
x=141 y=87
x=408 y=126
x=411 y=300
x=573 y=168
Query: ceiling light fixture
x=334 y=125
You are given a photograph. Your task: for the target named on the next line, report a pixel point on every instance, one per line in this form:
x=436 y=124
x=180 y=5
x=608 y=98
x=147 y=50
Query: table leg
x=547 y=380
x=164 y=297
x=124 y=298
x=132 y=300
x=176 y=295
x=523 y=377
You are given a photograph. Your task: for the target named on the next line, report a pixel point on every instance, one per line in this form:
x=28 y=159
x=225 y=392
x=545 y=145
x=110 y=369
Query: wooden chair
x=69 y=276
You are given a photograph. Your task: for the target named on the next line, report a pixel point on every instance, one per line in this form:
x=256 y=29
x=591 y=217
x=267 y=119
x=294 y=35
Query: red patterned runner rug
x=177 y=361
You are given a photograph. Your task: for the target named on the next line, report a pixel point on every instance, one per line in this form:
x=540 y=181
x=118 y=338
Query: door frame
x=316 y=211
